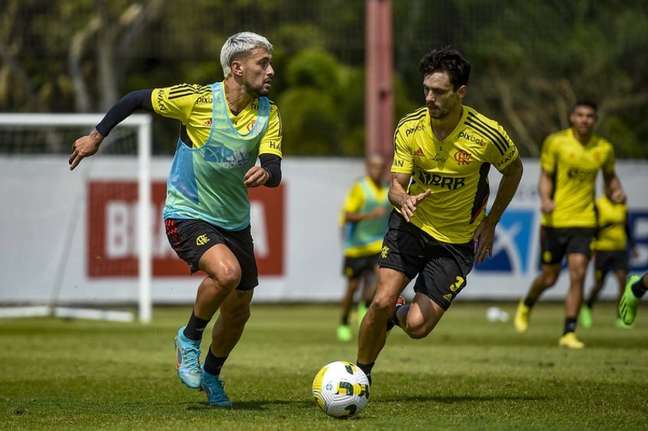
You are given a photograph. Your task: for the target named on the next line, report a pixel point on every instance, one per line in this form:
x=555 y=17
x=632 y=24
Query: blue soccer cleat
x=188 y=360
x=213 y=387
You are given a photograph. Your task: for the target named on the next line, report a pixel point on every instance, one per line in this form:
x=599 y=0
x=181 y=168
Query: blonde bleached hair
x=240 y=44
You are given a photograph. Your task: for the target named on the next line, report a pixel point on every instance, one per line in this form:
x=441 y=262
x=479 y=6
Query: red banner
x=112 y=238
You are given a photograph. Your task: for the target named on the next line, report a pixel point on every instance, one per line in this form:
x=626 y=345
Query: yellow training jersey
x=191 y=104
x=574 y=168
x=455 y=169
x=364 y=238
x=612 y=221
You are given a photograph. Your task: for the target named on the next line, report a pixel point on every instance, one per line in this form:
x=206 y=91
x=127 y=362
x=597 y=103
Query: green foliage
x=531 y=60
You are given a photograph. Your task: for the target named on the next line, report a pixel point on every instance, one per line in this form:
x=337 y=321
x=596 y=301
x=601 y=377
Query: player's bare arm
x=511 y=176
x=399 y=197
x=613 y=187
x=545 y=187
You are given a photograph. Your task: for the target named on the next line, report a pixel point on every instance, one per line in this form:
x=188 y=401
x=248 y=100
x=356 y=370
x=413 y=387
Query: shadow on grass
x=453 y=399
x=253 y=405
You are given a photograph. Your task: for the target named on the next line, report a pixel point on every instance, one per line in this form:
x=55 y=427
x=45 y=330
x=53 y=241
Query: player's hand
x=84 y=147
x=547 y=206
x=618 y=196
x=483 y=238
x=256 y=176
x=408 y=204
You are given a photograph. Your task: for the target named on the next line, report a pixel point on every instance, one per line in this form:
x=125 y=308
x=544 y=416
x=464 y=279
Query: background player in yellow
x=439 y=189
x=225 y=127
x=364 y=220
x=569 y=164
x=611 y=245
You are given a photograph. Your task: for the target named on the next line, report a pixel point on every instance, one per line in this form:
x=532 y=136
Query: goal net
x=75 y=244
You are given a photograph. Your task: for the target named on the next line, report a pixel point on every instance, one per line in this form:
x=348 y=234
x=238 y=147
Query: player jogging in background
x=364 y=219
x=439 y=189
x=610 y=247
x=635 y=289
x=569 y=163
x=225 y=127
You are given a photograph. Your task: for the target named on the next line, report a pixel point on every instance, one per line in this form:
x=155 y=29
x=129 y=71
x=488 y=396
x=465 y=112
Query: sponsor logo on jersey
x=451 y=183
x=414 y=129
x=462 y=157
x=582 y=174
x=472 y=138
x=204 y=99
x=419 y=152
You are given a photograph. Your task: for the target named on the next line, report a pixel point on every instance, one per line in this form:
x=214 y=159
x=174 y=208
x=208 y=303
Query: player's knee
x=549 y=279
x=418 y=331
x=382 y=305
x=227 y=275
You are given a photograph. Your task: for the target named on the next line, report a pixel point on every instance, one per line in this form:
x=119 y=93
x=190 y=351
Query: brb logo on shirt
x=513 y=243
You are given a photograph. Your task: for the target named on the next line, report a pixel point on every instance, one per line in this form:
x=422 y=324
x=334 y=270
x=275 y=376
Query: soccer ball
x=341 y=389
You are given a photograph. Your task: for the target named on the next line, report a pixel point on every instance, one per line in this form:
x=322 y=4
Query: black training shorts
x=606 y=261
x=192 y=238
x=555 y=243
x=442 y=268
x=354 y=267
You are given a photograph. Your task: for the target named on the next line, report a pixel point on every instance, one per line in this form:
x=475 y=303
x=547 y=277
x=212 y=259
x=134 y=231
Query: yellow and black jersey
x=455 y=169
x=574 y=167
x=612 y=223
x=191 y=104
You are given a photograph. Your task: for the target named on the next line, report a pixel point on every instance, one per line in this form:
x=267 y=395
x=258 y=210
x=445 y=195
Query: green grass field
x=469 y=374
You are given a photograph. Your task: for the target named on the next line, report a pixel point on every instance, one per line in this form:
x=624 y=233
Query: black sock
x=195 y=327
x=366 y=368
x=638 y=288
x=213 y=363
x=590 y=303
x=529 y=302
x=345 y=320
x=570 y=325
x=367 y=303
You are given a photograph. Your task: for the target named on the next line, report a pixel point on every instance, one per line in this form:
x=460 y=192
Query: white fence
x=295 y=229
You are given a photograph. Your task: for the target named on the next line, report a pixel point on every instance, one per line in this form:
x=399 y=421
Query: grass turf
x=468 y=374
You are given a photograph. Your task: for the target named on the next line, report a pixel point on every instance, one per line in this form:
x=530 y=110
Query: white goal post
x=142 y=123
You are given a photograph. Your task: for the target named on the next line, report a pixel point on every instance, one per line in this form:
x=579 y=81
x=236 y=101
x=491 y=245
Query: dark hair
x=585 y=102
x=449 y=60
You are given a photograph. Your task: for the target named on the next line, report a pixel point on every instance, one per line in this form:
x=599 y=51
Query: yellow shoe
x=521 y=320
x=344 y=333
x=570 y=341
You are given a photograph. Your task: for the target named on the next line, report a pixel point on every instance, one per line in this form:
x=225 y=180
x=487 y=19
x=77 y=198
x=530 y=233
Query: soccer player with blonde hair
x=225 y=127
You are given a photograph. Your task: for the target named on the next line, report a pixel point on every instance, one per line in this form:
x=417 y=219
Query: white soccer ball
x=341 y=389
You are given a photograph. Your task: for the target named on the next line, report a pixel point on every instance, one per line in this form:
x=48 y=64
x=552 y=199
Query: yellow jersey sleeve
x=271 y=141
x=178 y=101
x=548 y=156
x=501 y=152
x=403 y=160
x=354 y=199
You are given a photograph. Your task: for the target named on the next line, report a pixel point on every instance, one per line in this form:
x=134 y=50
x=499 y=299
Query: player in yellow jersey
x=364 y=220
x=611 y=245
x=569 y=164
x=225 y=127
x=439 y=190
